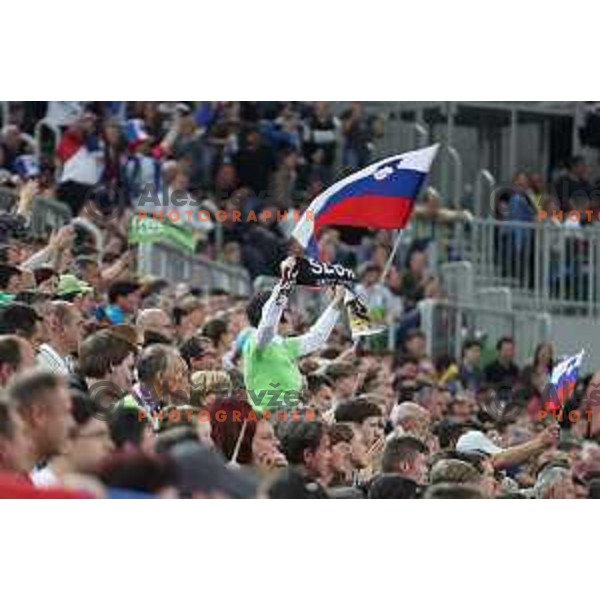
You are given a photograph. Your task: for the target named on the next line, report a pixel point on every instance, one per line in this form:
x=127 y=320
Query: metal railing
x=47 y=216
x=447 y=325
x=8 y=198
x=547 y=266
x=176 y=265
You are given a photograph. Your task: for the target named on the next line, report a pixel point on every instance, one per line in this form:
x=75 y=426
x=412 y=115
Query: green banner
x=148 y=231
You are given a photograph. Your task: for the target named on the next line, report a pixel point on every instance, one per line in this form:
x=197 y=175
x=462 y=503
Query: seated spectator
x=89 y=443
x=123 y=301
x=130 y=430
x=43 y=402
x=365 y=416
x=154 y=326
x=199 y=354
x=63 y=323
x=16 y=355
x=307 y=448
x=15 y=450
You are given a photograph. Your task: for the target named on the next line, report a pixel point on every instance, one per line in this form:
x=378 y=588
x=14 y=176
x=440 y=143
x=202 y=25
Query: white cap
x=475 y=442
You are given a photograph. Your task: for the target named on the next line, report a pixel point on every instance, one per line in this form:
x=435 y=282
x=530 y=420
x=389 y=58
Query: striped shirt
x=49 y=358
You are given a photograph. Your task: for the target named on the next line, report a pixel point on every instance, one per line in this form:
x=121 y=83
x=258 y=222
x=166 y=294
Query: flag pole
x=390 y=260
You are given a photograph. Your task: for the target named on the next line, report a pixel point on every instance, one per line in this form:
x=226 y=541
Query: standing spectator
x=470 y=372
x=320 y=143
x=79 y=155
x=254 y=164
x=503 y=373
x=358 y=137
x=573 y=189
x=283 y=182
x=414 y=279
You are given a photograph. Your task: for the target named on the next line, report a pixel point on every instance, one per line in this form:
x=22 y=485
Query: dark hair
x=127 y=426
x=33 y=386
x=121 y=288
x=357 y=411
x=215 y=329
x=453 y=491
x=167 y=440
x=340 y=432
x=193 y=347
x=400 y=449
x=226 y=431
x=101 y=351
x=504 y=340
x=299 y=436
x=134 y=470
x=83 y=407
x=6 y=273
x=19 y=318
x=255 y=306
x=392 y=487
x=316 y=382
x=470 y=344
x=10 y=351
x=412 y=334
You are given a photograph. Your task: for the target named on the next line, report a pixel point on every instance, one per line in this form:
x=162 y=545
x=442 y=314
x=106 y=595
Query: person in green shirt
x=270 y=361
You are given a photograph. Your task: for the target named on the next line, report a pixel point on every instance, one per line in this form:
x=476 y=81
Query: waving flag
x=381 y=196
x=563 y=380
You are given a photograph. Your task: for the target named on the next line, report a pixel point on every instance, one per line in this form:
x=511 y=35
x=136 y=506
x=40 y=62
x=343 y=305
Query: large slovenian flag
x=563 y=380
x=380 y=196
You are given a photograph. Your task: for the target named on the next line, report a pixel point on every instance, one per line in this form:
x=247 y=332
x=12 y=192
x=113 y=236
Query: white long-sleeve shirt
x=310 y=341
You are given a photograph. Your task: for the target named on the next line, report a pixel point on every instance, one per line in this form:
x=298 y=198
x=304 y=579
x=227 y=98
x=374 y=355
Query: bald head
x=155 y=320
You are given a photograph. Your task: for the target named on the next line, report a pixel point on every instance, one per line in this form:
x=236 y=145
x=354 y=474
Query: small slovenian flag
x=136 y=131
x=380 y=196
x=563 y=380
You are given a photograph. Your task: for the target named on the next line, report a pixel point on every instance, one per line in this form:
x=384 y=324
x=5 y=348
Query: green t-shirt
x=271 y=373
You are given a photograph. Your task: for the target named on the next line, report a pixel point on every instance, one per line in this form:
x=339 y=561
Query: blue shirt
x=114 y=314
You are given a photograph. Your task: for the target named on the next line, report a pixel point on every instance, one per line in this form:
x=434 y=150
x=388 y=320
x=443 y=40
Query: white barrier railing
x=176 y=265
x=547 y=266
x=448 y=325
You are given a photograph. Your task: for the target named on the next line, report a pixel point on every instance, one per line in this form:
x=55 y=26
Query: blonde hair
x=209 y=382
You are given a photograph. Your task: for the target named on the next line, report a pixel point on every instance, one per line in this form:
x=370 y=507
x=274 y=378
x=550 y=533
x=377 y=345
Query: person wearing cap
x=477 y=443
x=271 y=360
x=72 y=289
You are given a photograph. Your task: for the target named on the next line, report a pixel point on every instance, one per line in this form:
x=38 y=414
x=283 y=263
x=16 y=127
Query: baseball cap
x=70 y=285
x=476 y=442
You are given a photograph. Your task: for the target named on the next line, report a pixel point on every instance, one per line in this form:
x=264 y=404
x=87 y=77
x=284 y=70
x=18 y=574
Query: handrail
x=483 y=176
x=421 y=135
x=455 y=161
